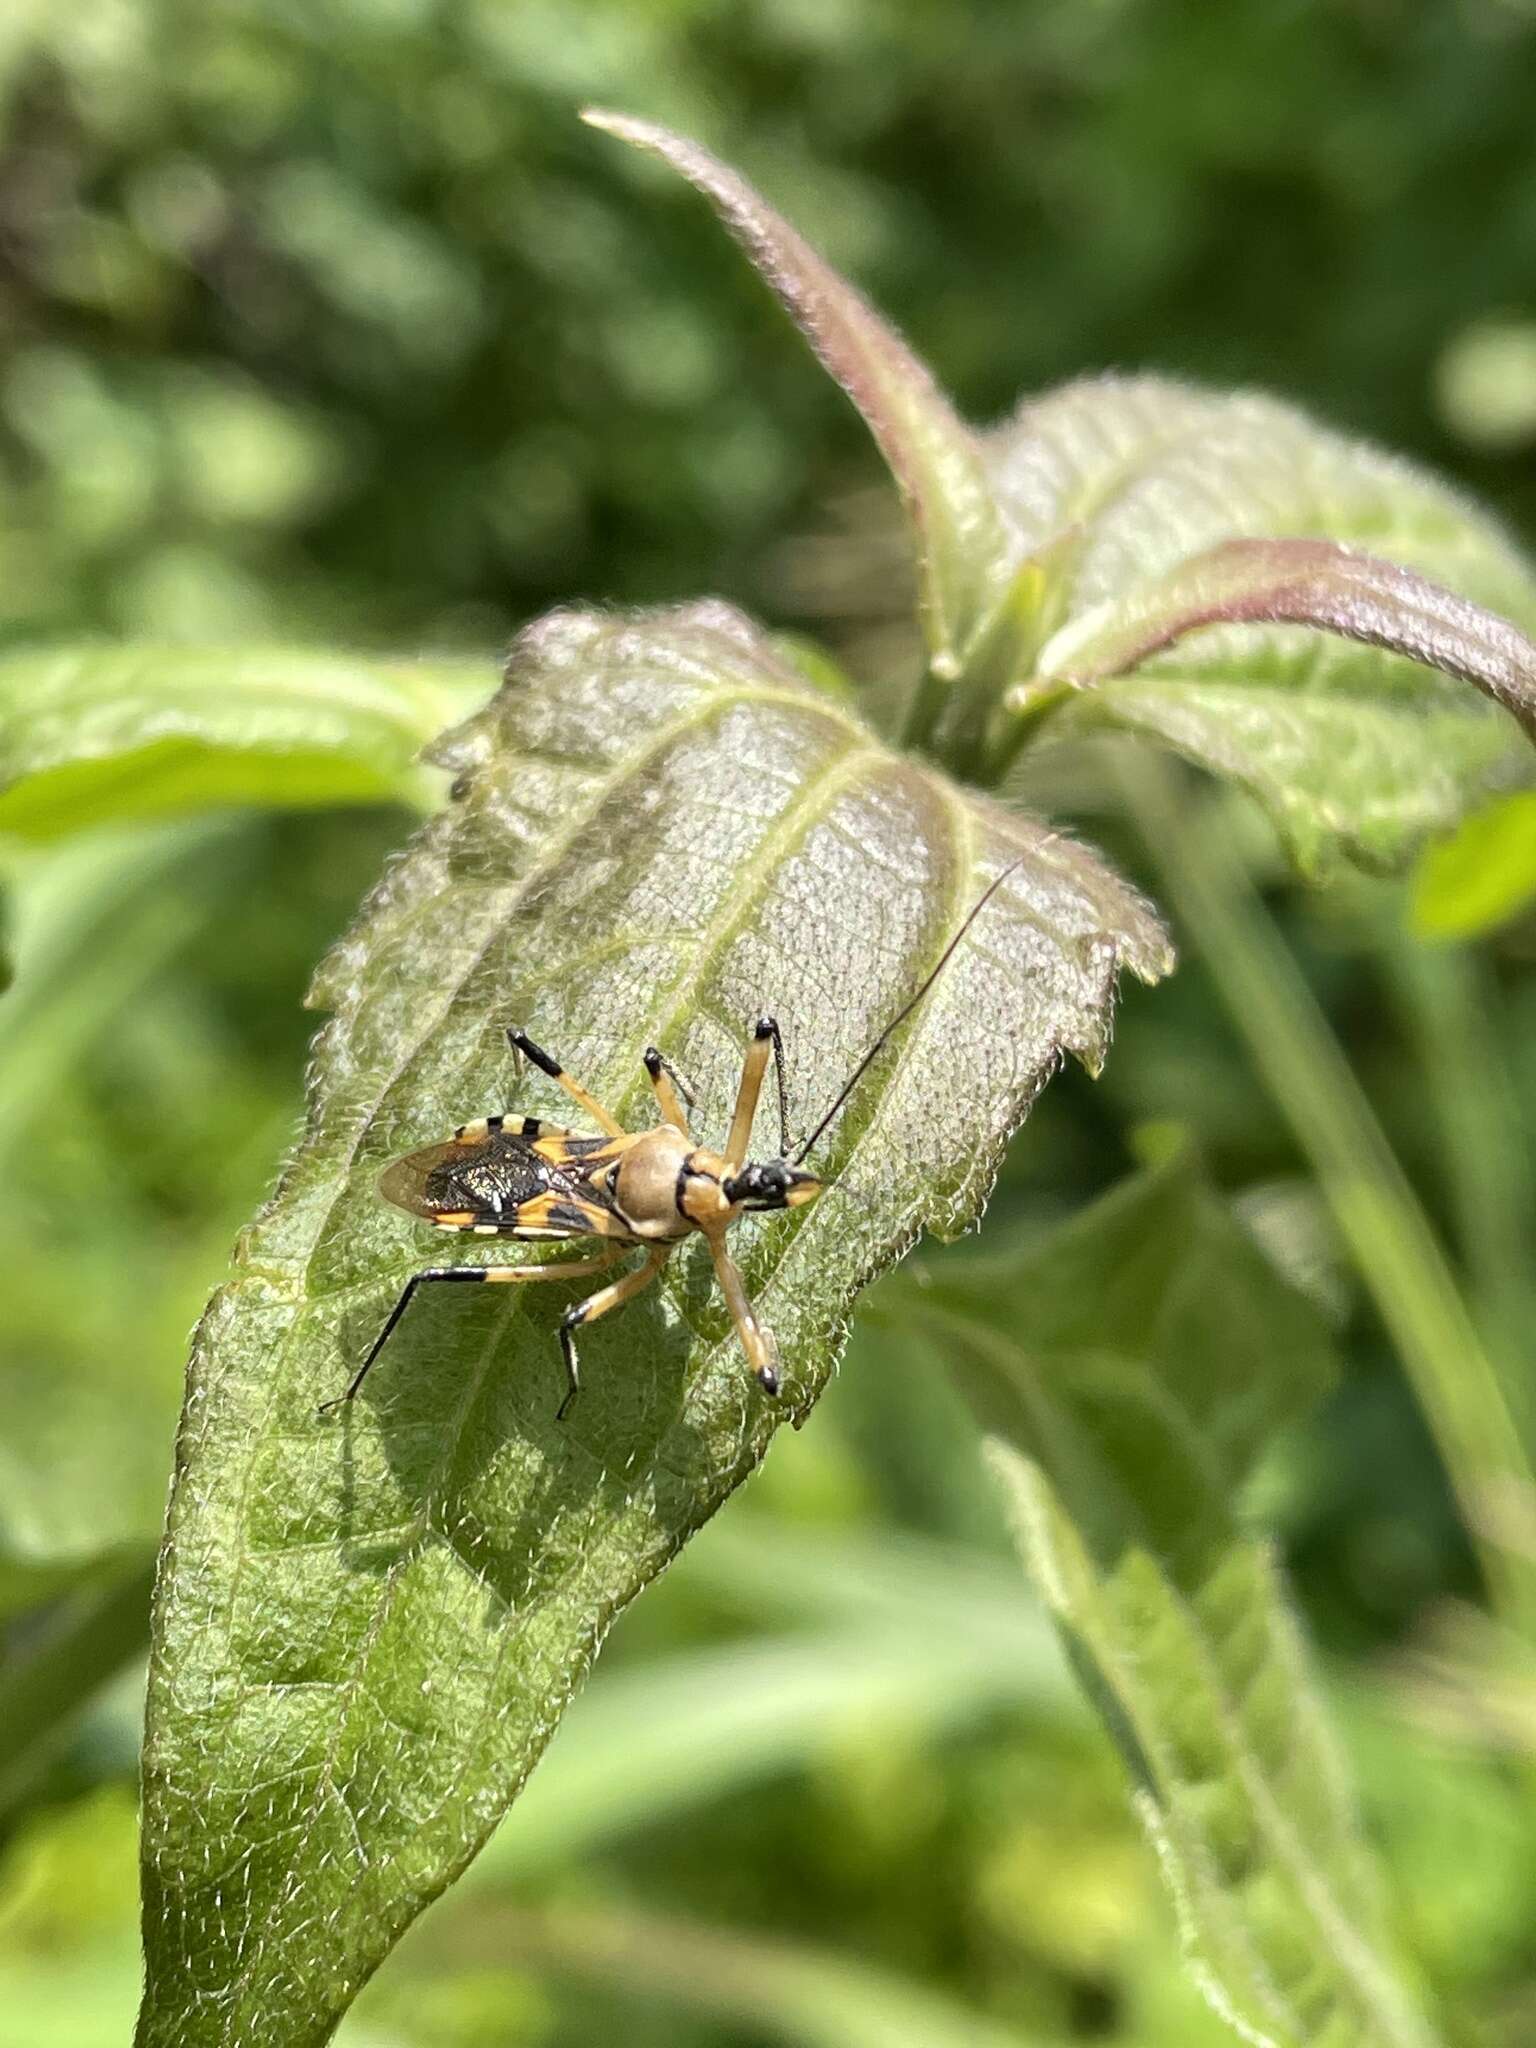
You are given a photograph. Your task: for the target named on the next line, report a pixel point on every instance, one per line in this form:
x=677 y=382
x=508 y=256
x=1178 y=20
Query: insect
x=524 y=1178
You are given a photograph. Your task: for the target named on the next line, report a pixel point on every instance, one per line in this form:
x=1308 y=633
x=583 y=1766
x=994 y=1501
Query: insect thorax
x=659 y=1188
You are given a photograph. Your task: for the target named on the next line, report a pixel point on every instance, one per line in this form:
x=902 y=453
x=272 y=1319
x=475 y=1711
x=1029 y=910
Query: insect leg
x=599 y=1304
x=547 y=1063
x=756 y=1339
x=669 y=1085
x=530 y=1127
x=767 y=1043
x=569 y=1269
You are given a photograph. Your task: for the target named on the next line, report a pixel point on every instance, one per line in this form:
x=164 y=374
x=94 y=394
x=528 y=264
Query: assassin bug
x=521 y=1177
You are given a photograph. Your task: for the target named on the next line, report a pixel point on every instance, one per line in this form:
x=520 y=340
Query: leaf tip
x=608 y=120
x=647 y=135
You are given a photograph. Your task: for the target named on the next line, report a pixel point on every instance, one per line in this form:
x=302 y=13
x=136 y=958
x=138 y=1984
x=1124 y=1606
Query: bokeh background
x=325 y=320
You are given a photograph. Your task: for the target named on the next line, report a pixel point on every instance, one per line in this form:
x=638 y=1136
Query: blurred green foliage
x=329 y=319
x=328 y=323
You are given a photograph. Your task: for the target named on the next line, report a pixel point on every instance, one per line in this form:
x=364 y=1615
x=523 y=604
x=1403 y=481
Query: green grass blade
x=889 y=1631
x=1375 y=1208
x=778 y=1991
x=1460 y=1029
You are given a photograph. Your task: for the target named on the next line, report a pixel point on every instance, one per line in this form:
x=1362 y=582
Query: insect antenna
x=908 y=1007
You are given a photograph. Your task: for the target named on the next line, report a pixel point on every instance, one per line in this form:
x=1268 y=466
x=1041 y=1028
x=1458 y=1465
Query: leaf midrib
x=697 y=718
x=422 y=1530
x=1351 y=1956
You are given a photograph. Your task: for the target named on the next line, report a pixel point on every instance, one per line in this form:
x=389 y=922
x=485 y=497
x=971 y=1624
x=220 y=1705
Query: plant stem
x=1373 y=1204
x=1450 y=1000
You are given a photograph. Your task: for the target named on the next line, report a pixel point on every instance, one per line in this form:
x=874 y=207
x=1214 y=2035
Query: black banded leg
x=668 y=1085
x=548 y=1064
x=568 y=1269
x=756 y=1338
x=599 y=1304
x=529 y=1127
x=767 y=1043
x=407 y=1293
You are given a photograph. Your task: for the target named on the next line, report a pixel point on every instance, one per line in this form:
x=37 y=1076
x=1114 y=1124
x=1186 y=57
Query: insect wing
x=501 y=1183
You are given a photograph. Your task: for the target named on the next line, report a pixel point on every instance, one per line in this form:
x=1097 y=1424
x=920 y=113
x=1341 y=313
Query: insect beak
x=803 y=1187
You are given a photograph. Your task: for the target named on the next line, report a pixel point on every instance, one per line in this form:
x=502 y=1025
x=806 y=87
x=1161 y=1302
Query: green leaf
x=1304 y=583
x=967 y=555
x=1482 y=876
x=1386 y=751
x=1133 y=1367
x=1121 y=515
x=1152 y=494
x=368 y=1626
x=1133 y=475
x=51 y=1670
x=92 y=733
x=82 y=1479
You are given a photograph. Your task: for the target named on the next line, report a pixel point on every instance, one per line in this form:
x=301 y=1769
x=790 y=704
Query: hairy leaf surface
x=89 y=733
x=1096 y=501
x=1132 y=1367
x=1148 y=497
x=368 y=1625
x=1376 y=747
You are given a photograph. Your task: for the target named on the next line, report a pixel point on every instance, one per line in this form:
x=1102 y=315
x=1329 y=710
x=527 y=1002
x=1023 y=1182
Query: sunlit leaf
x=90 y=733
x=1132 y=1367
x=1064 y=557
x=368 y=1625
x=1155 y=498
x=1134 y=475
x=1304 y=583
x=1480 y=877
x=1383 y=751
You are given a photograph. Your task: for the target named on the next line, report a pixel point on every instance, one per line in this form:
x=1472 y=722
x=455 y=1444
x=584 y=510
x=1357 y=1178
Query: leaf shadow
x=465 y=1405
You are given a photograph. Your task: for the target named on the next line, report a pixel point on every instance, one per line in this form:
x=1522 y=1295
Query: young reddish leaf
x=967 y=553
x=1303 y=583
x=1106 y=504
